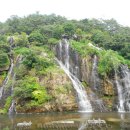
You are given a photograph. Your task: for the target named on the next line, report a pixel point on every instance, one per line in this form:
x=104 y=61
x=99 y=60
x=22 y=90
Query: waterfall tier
x=123 y=87
x=64 y=62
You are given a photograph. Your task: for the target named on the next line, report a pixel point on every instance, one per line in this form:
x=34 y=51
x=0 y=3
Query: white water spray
x=123 y=87
x=84 y=103
x=6 y=79
x=120 y=106
x=12 y=108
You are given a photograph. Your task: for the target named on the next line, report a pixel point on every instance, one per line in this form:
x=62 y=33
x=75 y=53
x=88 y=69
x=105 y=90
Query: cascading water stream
x=84 y=104
x=123 y=87
x=12 y=107
x=6 y=79
x=94 y=76
x=9 y=71
x=120 y=106
x=95 y=85
x=126 y=86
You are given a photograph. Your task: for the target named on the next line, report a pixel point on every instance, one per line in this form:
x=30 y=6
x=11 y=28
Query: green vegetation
x=36 y=62
x=37 y=38
x=20 y=40
x=6 y=106
x=108 y=60
x=29 y=88
x=4 y=60
x=34 y=38
x=40 y=28
x=83 y=48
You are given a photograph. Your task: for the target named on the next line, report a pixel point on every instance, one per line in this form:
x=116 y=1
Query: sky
x=71 y=9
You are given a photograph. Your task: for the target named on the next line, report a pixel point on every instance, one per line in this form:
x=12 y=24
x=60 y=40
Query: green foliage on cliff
x=4 y=60
x=108 y=60
x=41 y=96
x=21 y=40
x=6 y=106
x=29 y=88
x=21 y=50
x=83 y=48
x=36 y=36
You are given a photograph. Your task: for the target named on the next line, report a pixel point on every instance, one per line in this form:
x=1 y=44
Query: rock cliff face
x=60 y=88
x=102 y=92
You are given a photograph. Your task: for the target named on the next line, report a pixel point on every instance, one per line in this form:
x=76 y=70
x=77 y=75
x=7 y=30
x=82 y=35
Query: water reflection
x=83 y=120
x=118 y=121
x=124 y=121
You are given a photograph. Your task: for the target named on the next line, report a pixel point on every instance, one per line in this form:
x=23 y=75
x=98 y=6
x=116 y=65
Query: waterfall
x=11 y=40
x=6 y=79
x=120 y=106
x=94 y=75
x=12 y=107
x=95 y=84
x=84 y=103
x=126 y=86
x=123 y=88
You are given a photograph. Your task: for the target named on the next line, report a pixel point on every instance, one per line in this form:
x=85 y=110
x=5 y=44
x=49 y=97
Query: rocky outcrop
x=4 y=68
x=60 y=88
x=85 y=69
x=100 y=95
x=108 y=88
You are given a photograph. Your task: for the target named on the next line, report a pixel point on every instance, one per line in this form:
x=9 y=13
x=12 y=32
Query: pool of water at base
x=66 y=121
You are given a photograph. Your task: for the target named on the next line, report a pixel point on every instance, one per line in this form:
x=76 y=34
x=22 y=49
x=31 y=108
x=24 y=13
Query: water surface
x=115 y=121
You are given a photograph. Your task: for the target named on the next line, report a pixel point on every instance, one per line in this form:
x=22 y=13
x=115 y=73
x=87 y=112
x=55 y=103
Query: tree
x=13 y=24
x=58 y=31
x=101 y=38
x=30 y=59
x=21 y=40
x=52 y=42
x=4 y=60
x=69 y=28
x=36 y=36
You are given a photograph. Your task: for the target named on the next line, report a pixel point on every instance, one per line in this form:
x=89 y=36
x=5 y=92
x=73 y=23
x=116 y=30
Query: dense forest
x=34 y=38
x=46 y=29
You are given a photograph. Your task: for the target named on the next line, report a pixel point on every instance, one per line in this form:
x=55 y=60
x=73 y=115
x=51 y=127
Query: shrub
x=30 y=89
x=52 y=41
x=109 y=60
x=21 y=40
x=41 y=95
x=4 y=60
x=36 y=37
x=7 y=104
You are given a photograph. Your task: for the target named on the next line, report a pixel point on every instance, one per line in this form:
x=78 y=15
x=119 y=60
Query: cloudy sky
x=71 y=9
